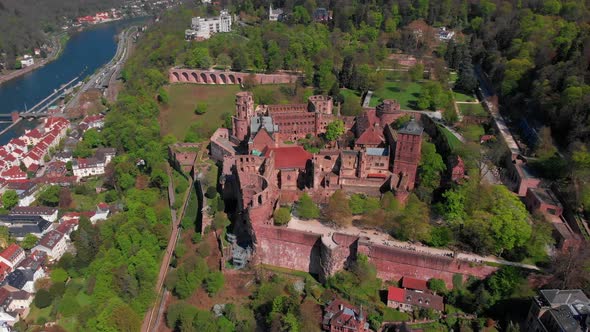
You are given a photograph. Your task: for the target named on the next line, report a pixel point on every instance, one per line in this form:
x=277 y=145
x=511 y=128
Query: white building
x=13 y=255
x=273 y=15
x=45 y=212
x=204 y=28
x=27 y=61
x=445 y=35
x=54 y=244
x=102 y=213
x=83 y=167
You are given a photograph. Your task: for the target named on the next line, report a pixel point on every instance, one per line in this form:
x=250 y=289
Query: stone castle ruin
x=261 y=171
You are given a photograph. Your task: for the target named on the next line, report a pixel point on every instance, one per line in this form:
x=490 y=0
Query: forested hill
x=23 y=23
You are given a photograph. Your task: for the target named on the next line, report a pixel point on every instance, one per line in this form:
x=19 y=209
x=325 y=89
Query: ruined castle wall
x=310 y=252
x=288 y=248
x=393 y=263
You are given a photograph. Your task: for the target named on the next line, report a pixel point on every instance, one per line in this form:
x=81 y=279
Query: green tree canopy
x=9 y=199
x=306 y=208
x=282 y=216
x=50 y=196
x=338 y=210
x=334 y=130
x=29 y=241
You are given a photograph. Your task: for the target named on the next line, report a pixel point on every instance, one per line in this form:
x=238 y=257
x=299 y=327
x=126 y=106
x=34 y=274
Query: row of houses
x=18 y=274
x=31 y=148
x=19 y=271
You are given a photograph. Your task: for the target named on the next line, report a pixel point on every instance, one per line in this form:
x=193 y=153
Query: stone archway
x=195 y=77
x=213 y=79
x=185 y=77
x=204 y=78
x=232 y=79
x=175 y=76
x=222 y=78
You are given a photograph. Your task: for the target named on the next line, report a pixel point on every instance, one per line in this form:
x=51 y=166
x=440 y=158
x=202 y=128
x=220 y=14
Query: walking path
x=385 y=239
x=367 y=100
x=154 y=314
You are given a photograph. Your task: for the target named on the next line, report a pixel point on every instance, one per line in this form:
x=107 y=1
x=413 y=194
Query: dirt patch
x=237 y=289
x=90 y=103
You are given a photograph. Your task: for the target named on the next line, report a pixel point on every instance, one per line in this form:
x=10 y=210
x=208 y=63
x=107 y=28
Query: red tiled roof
x=262 y=139
x=103 y=206
x=366 y=120
x=18 y=142
x=14 y=173
x=395 y=294
x=9 y=253
x=289 y=156
x=412 y=283
x=4 y=270
x=35 y=133
x=377 y=175
x=371 y=136
x=10 y=158
x=51 y=239
x=33 y=168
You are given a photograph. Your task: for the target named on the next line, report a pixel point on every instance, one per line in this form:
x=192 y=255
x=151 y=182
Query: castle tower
x=408 y=151
x=320 y=104
x=244 y=112
x=388 y=111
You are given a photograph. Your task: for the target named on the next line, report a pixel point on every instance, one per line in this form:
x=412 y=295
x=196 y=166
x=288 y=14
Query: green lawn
x=454 y=142
x=37 y=313
x=87 y=199
x=177 y=117
x=472 y=109
x=406 y=93
x=460 y=96
x=453 y=76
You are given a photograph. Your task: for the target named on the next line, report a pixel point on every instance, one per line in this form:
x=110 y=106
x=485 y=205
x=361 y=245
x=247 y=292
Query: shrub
x=282 y=216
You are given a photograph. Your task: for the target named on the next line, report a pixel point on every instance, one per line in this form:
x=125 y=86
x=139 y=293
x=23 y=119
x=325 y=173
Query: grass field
x=472 y=109
x=460 y=96
x=454 y=142
x=177 y=117
x=406 y=93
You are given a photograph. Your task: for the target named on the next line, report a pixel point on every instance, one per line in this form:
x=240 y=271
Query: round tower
x=244 y=112
x=388 y=111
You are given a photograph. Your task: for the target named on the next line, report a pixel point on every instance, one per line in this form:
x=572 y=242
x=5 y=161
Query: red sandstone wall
x=394 y=263
x=302 y=251
x=226 y=77
x=288 y=248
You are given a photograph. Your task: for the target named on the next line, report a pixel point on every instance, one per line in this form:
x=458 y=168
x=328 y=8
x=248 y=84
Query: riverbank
x=59 y=43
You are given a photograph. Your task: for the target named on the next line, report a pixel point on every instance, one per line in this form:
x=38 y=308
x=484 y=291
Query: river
x=84 y=53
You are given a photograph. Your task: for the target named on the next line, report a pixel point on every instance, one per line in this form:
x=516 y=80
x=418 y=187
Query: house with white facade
x=54 y=244
x=102 y=213
x=12 y=256
x=27 y=61
x=45 y=212
x=24 y=279
x=273 y=14
x=84 y=167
